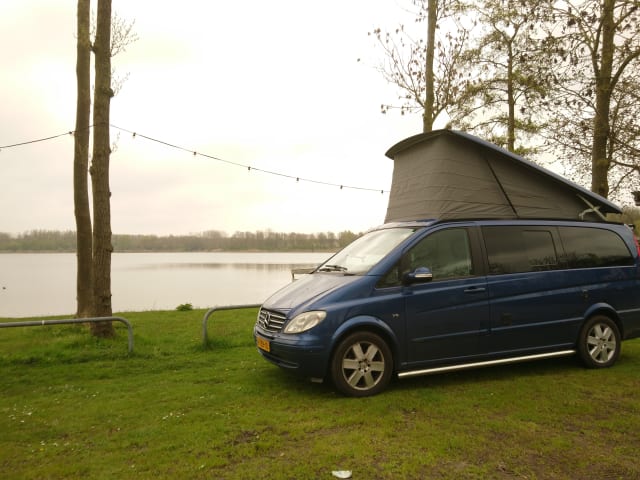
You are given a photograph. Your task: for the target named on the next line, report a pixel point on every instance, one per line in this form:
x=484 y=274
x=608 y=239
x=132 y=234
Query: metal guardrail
x=301 y=271
x=211 y=311
x=41 y=323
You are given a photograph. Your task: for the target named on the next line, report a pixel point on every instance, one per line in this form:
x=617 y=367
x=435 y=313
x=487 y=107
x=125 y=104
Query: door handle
x=475 y=290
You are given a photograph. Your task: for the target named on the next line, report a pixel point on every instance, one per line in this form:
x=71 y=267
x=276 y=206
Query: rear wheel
x=599 y=342
x=362 y=365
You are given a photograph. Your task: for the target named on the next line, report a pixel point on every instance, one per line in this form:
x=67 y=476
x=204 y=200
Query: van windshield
x=363 y=253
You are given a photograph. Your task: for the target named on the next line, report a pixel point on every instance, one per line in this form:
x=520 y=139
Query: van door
x=447 y=316
x=533 y=307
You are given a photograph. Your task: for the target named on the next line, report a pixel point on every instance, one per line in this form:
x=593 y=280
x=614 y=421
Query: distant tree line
x=57 y=241
x=212 y=240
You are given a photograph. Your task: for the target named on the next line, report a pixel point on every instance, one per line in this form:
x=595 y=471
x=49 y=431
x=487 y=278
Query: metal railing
x=301 y=271
x=211 y=311
x=41 y=323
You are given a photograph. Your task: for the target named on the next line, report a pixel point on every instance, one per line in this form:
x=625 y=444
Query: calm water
x=44 y=284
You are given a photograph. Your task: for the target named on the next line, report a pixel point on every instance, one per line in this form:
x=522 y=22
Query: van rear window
x=593 y=247
x=516 y=249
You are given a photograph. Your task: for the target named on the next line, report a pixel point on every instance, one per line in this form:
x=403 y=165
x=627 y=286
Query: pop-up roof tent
x=448 y=174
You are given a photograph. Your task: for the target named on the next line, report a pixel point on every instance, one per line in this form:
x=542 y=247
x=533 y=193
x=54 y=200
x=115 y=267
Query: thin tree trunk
x=100 y=171
x=599 y=160
x=511 y=102
x=427 y=117
x=84 y=291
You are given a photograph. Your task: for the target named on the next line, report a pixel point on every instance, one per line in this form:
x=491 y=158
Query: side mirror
x=419 y=275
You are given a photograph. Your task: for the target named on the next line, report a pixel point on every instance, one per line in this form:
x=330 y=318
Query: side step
x=501 y=361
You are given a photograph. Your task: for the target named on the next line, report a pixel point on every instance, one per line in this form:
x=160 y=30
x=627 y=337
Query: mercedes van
x=413 y=298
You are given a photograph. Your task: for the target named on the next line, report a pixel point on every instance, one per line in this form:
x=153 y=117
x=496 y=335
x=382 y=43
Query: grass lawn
x=75 y=407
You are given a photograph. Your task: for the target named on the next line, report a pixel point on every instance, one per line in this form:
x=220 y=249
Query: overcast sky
x=276 y=85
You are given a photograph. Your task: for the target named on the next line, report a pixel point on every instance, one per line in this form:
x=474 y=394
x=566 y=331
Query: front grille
x=271 y=321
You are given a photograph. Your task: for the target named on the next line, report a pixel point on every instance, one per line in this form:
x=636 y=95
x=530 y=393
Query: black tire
x=361 y=365
x=599 y=342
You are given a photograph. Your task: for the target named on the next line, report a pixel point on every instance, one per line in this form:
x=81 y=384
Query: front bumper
x=293 y=352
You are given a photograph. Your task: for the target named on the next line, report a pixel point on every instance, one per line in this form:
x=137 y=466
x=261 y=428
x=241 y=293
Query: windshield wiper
x=332 y=268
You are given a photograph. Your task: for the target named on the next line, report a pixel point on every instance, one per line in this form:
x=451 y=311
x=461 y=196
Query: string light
x=37 y=140
x=211 y=157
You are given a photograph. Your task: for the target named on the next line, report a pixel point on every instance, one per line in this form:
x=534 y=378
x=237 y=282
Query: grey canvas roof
x=447 y=174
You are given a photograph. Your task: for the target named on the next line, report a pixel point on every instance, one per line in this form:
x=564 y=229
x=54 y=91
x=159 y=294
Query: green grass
x=75 y=407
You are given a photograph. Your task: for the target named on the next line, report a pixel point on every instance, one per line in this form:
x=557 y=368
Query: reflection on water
x=44 y=284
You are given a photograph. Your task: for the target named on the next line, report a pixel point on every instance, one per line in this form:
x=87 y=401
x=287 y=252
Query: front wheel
x=599 y=342
x=362 y=365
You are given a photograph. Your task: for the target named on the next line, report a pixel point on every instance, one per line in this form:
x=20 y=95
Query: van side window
x=541 y=251
x=593 y=247
x=514 y=249
x=446 y=252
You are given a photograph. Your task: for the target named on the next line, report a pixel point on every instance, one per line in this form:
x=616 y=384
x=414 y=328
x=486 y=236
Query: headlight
x=305 y=321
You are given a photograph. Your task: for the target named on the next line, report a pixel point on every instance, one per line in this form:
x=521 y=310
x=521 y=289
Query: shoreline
x=174 y=251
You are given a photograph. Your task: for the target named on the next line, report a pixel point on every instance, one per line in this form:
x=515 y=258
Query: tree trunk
x=511 y=100
x=84 y=291
x=100 y=171
x=599 y=160
x=427 y=117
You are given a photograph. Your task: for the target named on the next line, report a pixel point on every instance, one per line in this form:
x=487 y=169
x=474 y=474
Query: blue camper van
x=514 y=279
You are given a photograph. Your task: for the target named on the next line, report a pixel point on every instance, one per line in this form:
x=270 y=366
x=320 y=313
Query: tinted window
x=593 y=247
x=446 y=253
x=514 y=249
x=541 y=251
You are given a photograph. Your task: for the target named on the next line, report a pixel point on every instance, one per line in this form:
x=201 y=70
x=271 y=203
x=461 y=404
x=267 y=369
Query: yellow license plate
x=263 y=344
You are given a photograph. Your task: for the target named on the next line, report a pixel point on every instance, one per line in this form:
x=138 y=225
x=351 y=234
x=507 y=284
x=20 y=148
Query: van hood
x=306 y=290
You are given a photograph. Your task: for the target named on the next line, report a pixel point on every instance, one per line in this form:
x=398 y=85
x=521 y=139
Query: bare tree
x=508 y=78
x=84 y=290
x=111 y=36
x=425 y=66
x=595 y=47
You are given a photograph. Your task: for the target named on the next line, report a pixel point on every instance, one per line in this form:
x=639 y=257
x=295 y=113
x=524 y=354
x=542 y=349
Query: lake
x=43 y=284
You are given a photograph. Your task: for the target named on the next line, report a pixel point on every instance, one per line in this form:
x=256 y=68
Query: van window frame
x=610 y=232
x=478 y=266
x=523 y=249
x=563 y=262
